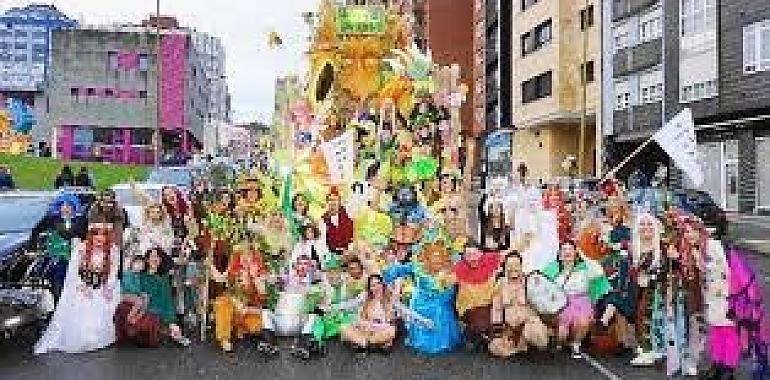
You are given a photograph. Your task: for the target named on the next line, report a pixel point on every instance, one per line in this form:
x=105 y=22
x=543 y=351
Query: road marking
x=599 y=367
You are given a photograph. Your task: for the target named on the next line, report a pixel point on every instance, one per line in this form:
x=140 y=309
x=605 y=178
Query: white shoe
x=643 y=359
x=690 y=371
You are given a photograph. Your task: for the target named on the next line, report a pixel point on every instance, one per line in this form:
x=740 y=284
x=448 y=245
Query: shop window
x=537 y=88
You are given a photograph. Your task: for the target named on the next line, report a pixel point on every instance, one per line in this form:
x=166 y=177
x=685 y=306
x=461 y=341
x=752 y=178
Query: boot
x=267 y=343
x=301 y=347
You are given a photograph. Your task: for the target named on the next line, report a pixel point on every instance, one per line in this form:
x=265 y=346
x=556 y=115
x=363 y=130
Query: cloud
x=242 y=25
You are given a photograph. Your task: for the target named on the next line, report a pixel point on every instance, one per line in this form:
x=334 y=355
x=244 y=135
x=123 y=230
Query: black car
x=25 y=300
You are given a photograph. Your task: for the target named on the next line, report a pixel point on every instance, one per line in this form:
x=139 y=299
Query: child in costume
x=433 y=297
x=238 y=312
x=515 y=324
x=83 y=319
x=475 y=275
x=583 y=283
x=724 y=342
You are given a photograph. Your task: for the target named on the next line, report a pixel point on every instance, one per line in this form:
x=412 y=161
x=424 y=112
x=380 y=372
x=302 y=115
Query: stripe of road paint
x=599 y=367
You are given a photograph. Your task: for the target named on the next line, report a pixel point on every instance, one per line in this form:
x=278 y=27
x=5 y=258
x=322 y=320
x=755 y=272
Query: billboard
x=361 y=20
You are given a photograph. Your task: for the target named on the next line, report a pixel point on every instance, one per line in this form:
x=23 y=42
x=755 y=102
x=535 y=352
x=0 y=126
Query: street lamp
x=158 y=142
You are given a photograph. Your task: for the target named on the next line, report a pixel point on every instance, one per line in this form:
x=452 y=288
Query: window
x=108 y=92
x=527 y=3
x=587 y=17
x=141 y=136
x=536 y=88
x=143 y=62
x=622 y=95
x=21 y=33
x=587 y=74
x=112 y=60
x=651 y=26
x=697 y=91
x=90 y=91
x=21 y=58
x=697 y=16
x=143 y=94
x=651 y=86
x=756 y=47
x=620 y=36
x=536 y=38
x=74 y=91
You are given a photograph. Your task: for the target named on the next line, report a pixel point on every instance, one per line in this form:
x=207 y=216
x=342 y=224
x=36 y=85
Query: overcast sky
x=242 y=25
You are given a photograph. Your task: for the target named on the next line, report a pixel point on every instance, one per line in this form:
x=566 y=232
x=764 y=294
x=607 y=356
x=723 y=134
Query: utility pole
x=158 y=65
x=584 y=79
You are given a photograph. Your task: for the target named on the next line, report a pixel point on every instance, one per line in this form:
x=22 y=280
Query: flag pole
x=628 y=158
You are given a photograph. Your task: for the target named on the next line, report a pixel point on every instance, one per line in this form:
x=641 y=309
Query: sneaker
x=643 y=359
x=576 y=354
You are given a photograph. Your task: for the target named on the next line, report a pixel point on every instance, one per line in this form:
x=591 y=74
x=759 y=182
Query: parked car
x=25 y=297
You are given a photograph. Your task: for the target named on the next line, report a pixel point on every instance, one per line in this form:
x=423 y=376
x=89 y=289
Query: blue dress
x=432 y=302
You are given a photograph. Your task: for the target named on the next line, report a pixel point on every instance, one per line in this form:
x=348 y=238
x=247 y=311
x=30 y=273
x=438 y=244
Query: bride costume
x=83 y=318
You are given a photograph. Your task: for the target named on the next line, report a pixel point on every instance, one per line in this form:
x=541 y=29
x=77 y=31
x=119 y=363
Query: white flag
x=677 y=138
x=340 y=154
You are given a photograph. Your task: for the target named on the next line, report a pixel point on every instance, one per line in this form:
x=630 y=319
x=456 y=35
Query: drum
x=545 y=297
x=288 y=314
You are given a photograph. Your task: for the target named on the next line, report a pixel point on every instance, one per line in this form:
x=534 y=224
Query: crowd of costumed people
x=390 y=257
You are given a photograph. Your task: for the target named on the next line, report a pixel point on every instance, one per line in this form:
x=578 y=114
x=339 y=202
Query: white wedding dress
x=83 y=320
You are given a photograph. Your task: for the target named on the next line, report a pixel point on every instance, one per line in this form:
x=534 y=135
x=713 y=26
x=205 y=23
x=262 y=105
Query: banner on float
x=340 y=154
x=677 y=138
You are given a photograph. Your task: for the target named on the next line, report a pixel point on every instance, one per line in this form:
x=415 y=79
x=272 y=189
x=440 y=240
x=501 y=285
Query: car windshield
x=22 y=213
x=173 y=176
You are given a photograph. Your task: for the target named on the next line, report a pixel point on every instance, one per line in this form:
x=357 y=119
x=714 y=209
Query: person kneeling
x=375 y=327
x=516 y=325
x=238 y=312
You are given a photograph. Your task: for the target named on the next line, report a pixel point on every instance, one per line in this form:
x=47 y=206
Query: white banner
x=677 y=138
x=340 y=154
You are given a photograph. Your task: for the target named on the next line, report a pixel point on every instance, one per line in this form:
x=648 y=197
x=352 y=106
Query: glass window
x=750 y=49
x=21 y=58
x=21 y=33
x=112 y=60
x=143 y=62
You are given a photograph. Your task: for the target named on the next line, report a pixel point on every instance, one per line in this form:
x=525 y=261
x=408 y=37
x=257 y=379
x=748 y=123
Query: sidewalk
x=750 y=232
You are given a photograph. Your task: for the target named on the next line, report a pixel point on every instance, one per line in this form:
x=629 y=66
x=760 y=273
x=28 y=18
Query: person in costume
x=375 y=327
x=155 y=230
x=583 y=283
x=296 y=311
x=143 y=322
x=310 y=245
x=536 y=233
x=647 y=278
x=238 y=311
x=106 y=209
x=339 y=301
x=617 y=308
x=433 y=298
x=83 y=319
x=300 y=209
x=497 y=232
x=63 y=223
x=724 y=343
x=176 y=209
x=554 y=200
x=475 y=275
x=516 y=325
x=337 y=223
x=682 y=301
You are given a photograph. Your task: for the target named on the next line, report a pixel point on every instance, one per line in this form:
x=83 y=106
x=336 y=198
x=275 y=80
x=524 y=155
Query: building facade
x=25 y=47
x=556 y=70
x=704 y=55
x=111 y=86
x=491 y=105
